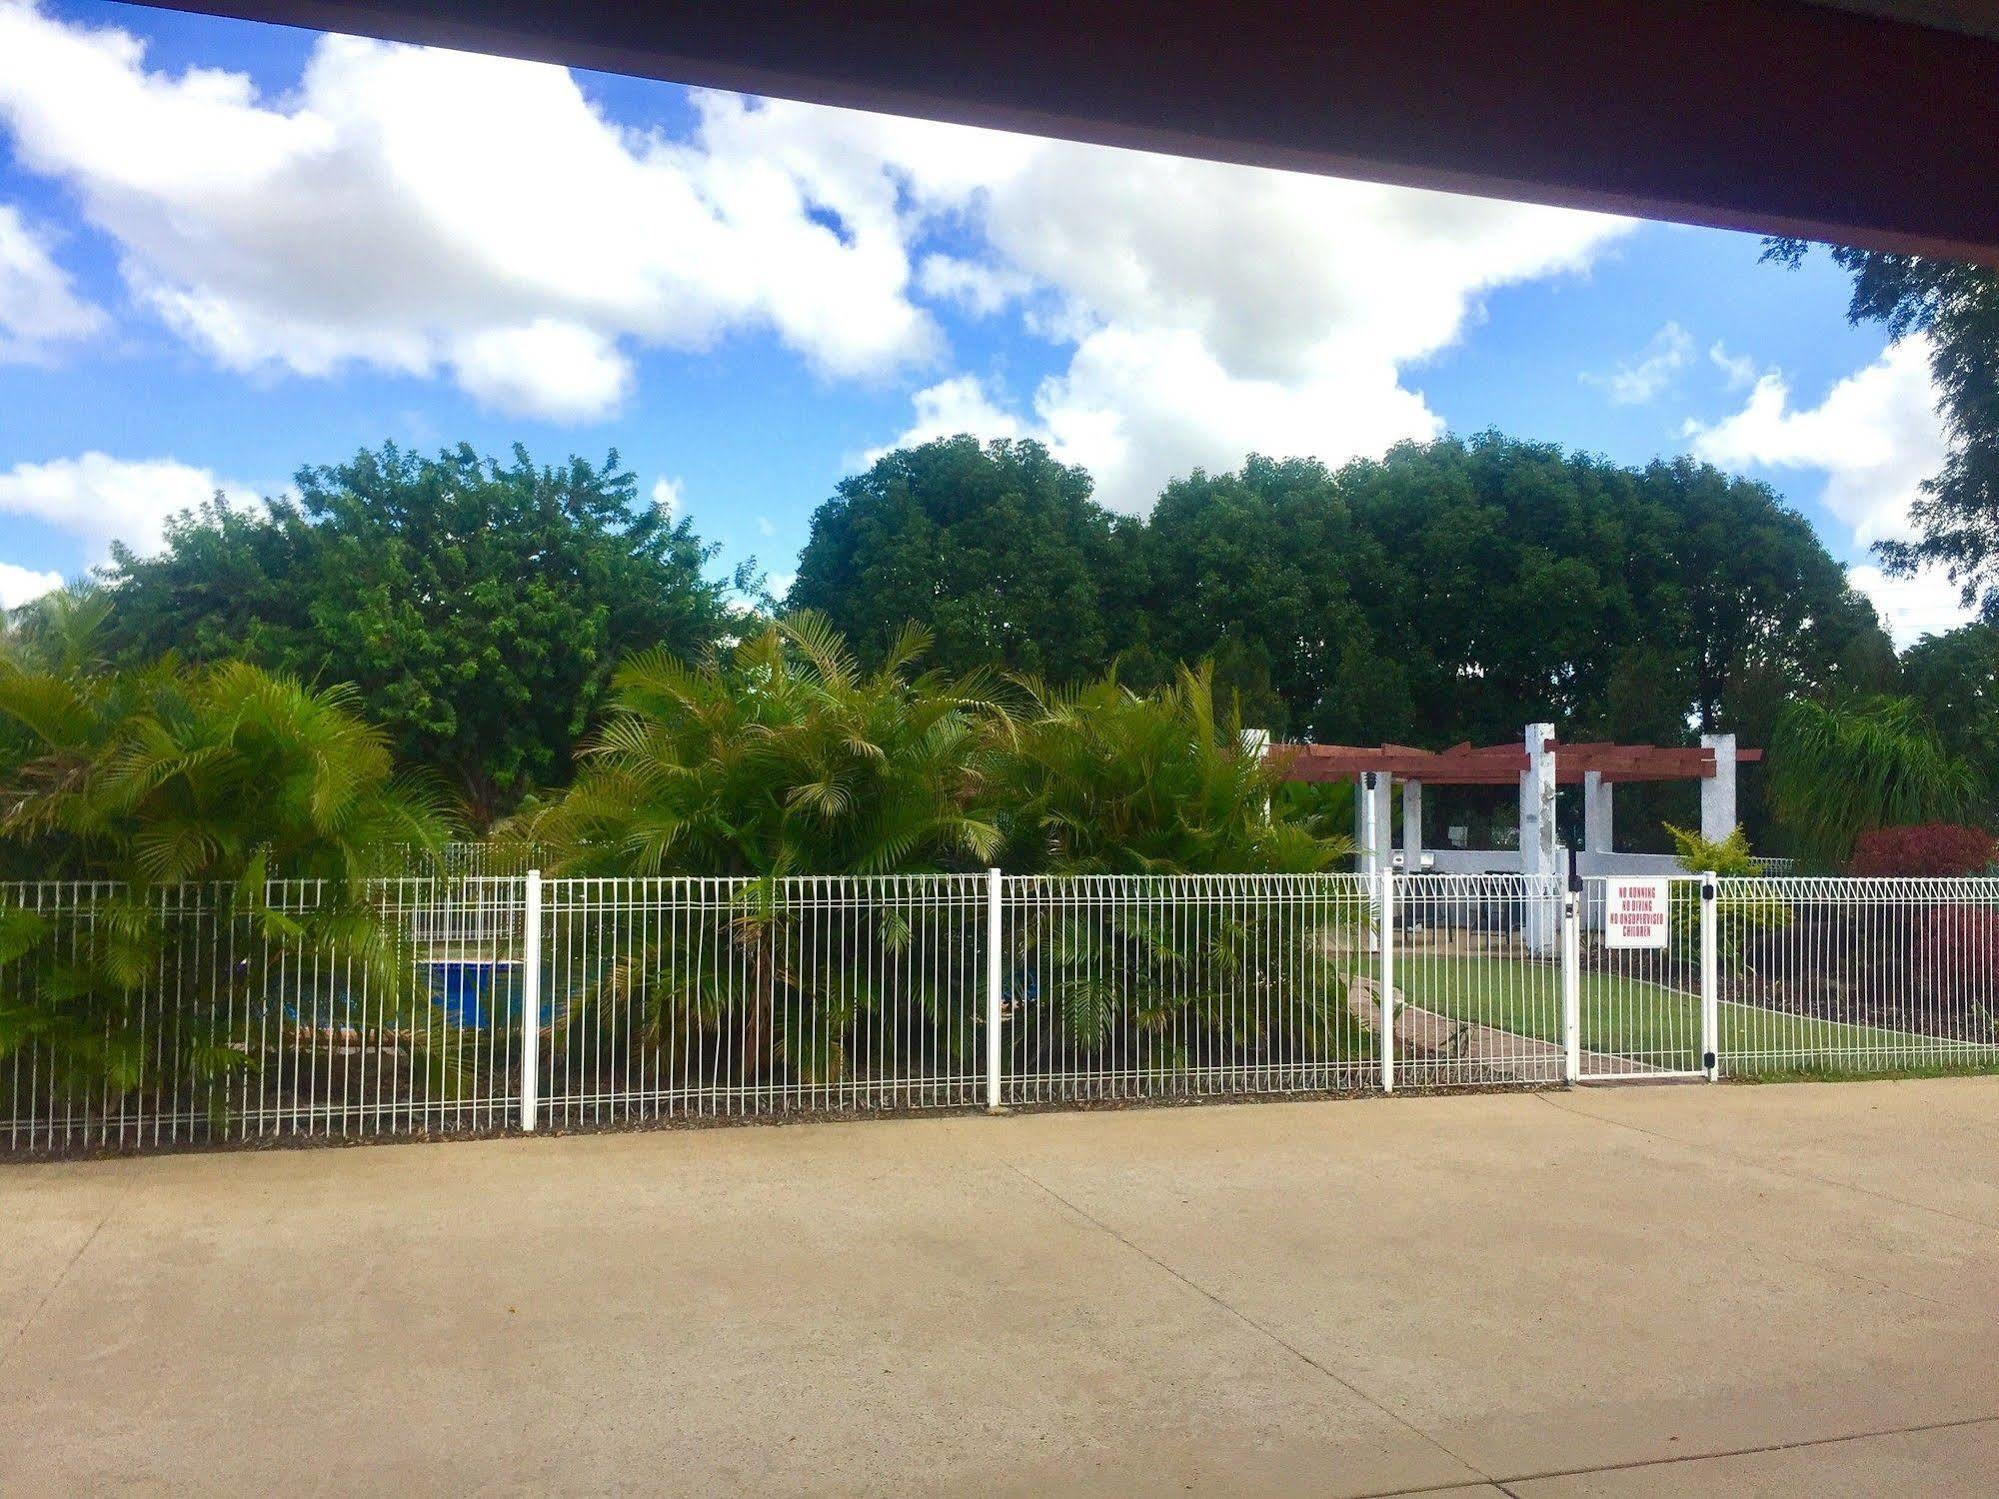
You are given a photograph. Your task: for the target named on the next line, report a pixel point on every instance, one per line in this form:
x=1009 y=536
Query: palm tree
x=773 y=761
x=183 y=793
x=782 y=757
x=1842 y=768
x=1105 y=781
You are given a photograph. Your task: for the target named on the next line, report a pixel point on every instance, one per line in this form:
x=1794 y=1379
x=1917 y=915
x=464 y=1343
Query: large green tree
x=478 y=607
x=1259 y=571
x=1956 y=308
x=1454 y=589
x=996 y=548
x=1955 y=679
x=1450 y=590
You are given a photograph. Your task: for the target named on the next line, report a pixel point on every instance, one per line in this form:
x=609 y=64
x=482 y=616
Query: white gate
x=1639 y=989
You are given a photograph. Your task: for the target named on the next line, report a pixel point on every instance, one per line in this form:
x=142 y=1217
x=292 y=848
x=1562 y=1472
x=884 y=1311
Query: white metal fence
x=1115 y=987
x=428 y=1005
x=1829 y=976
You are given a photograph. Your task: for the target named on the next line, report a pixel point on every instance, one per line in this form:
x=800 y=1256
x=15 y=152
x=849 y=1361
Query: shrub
x=1743 y=914
x=1953 y=963
x=1935 y=849
x=145 y=782
x=1102 y=780
x=1839 y=770
x=781 y=756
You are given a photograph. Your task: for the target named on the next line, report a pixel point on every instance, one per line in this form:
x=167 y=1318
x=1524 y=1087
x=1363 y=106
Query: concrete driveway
x=1772 y=1290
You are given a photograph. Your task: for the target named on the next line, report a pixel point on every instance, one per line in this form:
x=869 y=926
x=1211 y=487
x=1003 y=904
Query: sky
x=228 y=250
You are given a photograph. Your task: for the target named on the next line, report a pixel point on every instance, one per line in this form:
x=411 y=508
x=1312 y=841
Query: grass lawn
x=1661 y=1026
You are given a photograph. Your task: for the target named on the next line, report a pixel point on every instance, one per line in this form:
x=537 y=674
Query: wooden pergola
x=1538 y=765
x=1500 y=764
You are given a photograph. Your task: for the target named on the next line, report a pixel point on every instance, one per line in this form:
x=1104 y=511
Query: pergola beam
x=1499 y=765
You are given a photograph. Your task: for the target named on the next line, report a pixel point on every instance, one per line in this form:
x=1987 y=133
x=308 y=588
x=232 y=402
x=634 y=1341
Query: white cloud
x=1645 y=378
x=779 y=584
x=1213 y=310
x=960 y=404
x=423 y=211
x=104 y=499
x=1876 y=436
x=547 y=368
x=1738 y=370
x=1927 y=604
x=37 y=306
x=1140 y=407
x=435 y=213
x=978 y=288
x=23 y=585
x=765 y=526
x=666 y=495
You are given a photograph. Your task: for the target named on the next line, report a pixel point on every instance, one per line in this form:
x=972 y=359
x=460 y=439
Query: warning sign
x=1634 y=913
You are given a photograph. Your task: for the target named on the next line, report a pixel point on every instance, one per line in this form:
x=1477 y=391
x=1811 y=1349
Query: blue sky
x=227 y=250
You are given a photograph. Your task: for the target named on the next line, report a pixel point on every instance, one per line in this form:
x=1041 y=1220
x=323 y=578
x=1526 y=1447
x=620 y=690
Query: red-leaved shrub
x=1938 y=849
x=1953 y=969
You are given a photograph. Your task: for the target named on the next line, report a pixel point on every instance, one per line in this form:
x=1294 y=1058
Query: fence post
x=995 y=889
x=530 y=998
x=1388 y=980
x=1710 y=979
x=1572 y=988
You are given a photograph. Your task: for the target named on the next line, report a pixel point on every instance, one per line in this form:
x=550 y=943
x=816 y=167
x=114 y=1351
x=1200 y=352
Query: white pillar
x=1374 y=824
x=1412 y=826
x=1598 y=836
x=1718 y=790
x=1537 y=803
x=1256 y=746
x=1537 y=837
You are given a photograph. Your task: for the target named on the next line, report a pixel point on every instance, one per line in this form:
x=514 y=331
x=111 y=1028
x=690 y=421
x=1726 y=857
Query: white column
x=1412 y=826
x=1373 y=818
x=1256 y=745
x=1537 y=803
x=1537 y=837
x=1718 y=790
x=1384 y=820
x=1598 y=836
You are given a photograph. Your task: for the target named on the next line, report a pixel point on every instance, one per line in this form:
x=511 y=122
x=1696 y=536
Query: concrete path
x=1775 y=1290
x=1502 y=1056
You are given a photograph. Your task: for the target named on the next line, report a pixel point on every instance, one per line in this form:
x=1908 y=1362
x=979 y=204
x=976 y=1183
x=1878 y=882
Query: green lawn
x=1655 y=1024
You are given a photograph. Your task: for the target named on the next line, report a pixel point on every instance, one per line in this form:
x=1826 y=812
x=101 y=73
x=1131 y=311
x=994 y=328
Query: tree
x=1955 y=678
x=478 y=608
x=782 y=756
x=142 y=779
x=1099 y=779
x=1456 y=589
x=1257 y=572
x=1844 y=768
x=997 y=549
x=1956 y=308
